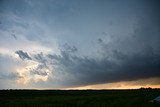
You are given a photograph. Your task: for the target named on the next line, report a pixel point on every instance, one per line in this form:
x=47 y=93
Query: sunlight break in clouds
x=24 y=73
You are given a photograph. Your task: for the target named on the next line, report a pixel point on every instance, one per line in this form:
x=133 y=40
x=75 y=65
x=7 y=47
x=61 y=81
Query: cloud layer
x=61 y=45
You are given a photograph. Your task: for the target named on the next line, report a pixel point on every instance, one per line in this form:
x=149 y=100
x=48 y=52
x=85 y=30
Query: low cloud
x=86 y=71
x=128 y=59
x=23 y=55
x=118 y=55
x=68 y=48
x=14 y=36
x=69 y=70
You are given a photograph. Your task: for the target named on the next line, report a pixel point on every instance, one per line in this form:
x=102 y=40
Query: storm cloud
x=124 y=59
x=23 y=55
x=134 y=57
x=54 y=44
x=87 y=71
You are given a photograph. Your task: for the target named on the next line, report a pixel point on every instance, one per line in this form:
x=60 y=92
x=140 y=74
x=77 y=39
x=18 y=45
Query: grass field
x=78 y=98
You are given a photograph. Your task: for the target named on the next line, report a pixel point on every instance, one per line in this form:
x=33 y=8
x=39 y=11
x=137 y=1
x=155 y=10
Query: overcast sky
x=79 y=43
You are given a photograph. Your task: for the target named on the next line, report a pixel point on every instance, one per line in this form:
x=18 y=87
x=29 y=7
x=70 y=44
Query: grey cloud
x=7 y=73
x=68 y=48
x=23 y=55
x=14 y=36
x=43 y=66
x=40 y=70
x=86 y=71
x=147 y=30
x=99 y=40
x=115 y=67
x=42 y=62
x=40 y=58
x=122 y=57
x=104 y=33
x=130 y=58
x=125 y=59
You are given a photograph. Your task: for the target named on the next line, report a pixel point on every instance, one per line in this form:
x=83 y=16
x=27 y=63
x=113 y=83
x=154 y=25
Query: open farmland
x=78 y=98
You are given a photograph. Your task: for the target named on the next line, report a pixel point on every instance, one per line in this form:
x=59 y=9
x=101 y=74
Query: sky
x=79 y=44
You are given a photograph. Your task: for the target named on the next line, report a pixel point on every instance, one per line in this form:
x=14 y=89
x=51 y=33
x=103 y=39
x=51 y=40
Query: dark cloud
x=68 y=48
x=43 y=67
x=88 y=71
x=42 y=63
x=23 y=55
x=123 y=53
x=130 y=58
x=125 y=59
x=99 y=40
x=40 y=70
x=104 y=33
x=14 y=36
x=40 y=58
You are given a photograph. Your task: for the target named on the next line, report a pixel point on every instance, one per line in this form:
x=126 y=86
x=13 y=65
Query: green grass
x=78 y=98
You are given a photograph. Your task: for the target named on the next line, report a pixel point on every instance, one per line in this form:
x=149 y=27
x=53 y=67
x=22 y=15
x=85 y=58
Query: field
x=78 y=98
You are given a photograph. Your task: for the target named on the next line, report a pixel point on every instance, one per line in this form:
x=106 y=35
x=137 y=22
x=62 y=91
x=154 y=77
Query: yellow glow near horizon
x=151 y=82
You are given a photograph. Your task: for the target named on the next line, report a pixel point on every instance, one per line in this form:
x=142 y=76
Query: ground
x=79 y=98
